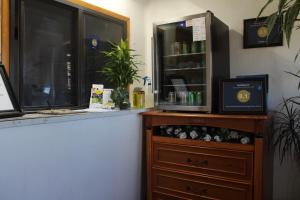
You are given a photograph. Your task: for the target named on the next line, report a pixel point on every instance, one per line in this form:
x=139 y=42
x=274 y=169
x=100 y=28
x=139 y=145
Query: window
x=47 y=55
x=56 y=54
x=102 y=30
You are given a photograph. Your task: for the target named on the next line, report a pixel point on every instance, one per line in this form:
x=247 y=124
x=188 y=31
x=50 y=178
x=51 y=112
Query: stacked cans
x=186 y=98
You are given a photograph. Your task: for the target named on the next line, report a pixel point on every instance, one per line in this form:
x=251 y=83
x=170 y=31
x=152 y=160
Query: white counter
x=83 y=156
x=35 y=119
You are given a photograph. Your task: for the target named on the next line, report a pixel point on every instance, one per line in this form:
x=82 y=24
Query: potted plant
x=121 y=70
x=286 y=138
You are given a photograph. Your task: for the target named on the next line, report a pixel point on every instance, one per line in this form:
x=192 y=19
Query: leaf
x=264 y=7
x=281 y=5
x=121 y=68
x=297 y=76
x=271 y=20
x=297 y=55
x=289 y=20
x=291 y=73
x=286 y=138
x=288 y=12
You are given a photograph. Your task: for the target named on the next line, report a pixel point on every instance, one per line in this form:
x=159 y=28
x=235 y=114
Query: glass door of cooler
x=181 y=71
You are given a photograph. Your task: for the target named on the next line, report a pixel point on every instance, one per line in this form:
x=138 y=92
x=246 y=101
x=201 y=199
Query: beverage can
x=203 y=46
x=198 y=98
x=184 y=48
x=183 y=97
x=191 y=99
x=172 y=97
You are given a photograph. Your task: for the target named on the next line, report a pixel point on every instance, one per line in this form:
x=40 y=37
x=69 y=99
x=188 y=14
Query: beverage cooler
x=190 y=57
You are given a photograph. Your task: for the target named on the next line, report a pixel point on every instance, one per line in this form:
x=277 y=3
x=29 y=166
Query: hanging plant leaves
x=287 y=120
x=287 y=131
x=264 y=7
x=288 y=12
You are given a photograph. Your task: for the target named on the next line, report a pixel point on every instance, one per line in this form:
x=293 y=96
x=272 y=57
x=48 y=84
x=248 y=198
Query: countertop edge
x=38 y=119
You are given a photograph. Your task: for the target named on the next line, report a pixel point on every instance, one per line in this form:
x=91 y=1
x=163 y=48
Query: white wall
x=92 y=159
x=273 y=61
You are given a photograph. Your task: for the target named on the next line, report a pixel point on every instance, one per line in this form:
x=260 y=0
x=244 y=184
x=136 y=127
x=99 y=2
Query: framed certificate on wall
x=9 y=106
x=257 y=34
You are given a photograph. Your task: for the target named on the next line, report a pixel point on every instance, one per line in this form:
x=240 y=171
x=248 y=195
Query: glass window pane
x=99 y=31
x=182 y=66
x=48 y=54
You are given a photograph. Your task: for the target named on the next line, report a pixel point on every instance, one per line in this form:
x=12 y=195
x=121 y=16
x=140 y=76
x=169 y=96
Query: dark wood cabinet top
x=203 y=115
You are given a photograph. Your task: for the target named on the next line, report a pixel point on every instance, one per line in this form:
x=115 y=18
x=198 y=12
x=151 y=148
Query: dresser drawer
x=204 y=160
x=197 y=187
x=161 y=196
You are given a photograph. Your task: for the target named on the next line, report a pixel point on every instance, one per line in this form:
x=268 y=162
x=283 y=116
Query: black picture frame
x=256 y=35
x=16 y=111
x=263 y=97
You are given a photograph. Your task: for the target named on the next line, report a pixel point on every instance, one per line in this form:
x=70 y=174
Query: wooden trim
x=258 y=168
x=99 y=9
x=149 y=163
x=199 y=115
x=128 y=31
x=5 y=34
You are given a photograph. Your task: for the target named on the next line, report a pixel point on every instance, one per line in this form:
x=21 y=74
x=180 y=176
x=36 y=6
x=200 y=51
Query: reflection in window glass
x=99 y=31
x=48 y=54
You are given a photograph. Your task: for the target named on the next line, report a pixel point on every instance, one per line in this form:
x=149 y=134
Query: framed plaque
x=9 y=106
x=256 y=33
x=243 y=96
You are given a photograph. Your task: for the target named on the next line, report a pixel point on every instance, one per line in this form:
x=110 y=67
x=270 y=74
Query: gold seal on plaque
x=263 y=32
x=94 y=43
x=243 y=96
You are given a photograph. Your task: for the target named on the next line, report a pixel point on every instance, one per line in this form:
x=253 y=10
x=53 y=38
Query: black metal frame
x=263 y=111
x=83 y=58
x=20 y=68
x=269 y=44
x=16 y=111
x=16 y=45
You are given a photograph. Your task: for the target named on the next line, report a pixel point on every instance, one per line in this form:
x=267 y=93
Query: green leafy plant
x=288 y=12
x=121 y=70
x=286 y=136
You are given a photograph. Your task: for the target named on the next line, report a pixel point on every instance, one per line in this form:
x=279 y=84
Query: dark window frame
x=15 y=49
x=83 y=59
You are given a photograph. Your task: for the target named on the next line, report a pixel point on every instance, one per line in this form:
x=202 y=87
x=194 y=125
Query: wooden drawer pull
x=196 y=190
x=188 y=188
x=197 y=163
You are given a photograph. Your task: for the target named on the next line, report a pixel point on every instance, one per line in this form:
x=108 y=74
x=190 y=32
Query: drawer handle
x=197 y=163
x=203 y=163
x=188 y=188
x=196 y=191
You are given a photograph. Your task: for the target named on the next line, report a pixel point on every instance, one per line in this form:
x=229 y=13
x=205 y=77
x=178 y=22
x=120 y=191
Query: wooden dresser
x=184 y=169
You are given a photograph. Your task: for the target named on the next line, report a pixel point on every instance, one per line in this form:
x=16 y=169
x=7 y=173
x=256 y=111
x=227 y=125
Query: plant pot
x=124 y=105
x=120 y=97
